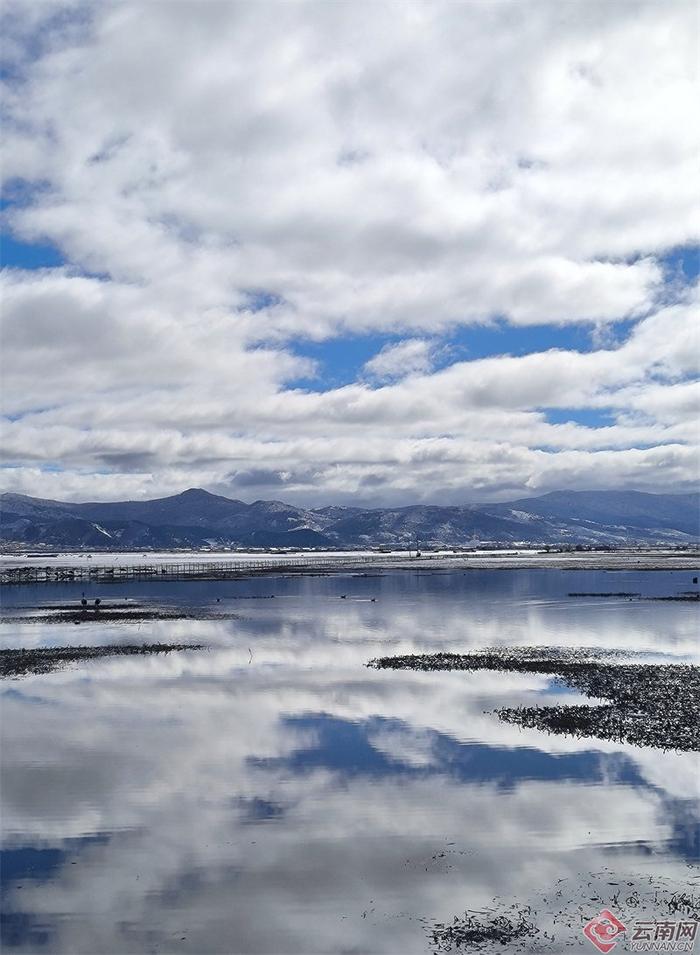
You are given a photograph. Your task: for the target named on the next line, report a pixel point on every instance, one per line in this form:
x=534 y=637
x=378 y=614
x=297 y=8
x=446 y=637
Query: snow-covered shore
x=216 y=565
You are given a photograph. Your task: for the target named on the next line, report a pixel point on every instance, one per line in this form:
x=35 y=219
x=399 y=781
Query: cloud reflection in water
x=300 y=802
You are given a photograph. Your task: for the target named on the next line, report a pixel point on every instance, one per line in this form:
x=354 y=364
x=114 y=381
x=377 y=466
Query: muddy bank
x=691 y=596
x=112 y=613
x=648 y=704
x=22 y=662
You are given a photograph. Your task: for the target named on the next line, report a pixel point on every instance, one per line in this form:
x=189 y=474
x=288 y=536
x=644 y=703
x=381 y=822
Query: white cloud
x=409 y=357
x=471 y=430
x=393 y=168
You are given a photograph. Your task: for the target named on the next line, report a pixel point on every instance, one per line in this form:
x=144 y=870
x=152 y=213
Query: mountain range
x=197 y=519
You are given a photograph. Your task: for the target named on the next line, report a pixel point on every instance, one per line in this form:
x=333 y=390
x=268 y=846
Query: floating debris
x=654 y=705
x=555 y=918
x=22 y=662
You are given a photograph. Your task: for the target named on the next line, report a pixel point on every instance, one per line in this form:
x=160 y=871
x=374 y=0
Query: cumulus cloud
x=409 y=357
x=224 y=184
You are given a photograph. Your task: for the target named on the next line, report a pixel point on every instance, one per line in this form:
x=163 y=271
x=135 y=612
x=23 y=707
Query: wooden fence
x=203 y=570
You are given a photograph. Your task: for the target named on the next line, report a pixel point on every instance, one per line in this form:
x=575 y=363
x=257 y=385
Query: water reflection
x=274 y=795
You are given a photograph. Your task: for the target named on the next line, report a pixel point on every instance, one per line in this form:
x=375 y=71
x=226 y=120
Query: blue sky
x=492 y=298
x=15 y=254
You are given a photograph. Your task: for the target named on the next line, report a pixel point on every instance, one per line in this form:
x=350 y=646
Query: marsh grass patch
x=648 y=704
x=23 y=662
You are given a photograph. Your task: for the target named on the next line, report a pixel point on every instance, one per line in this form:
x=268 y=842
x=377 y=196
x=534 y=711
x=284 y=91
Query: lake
x=273 y=794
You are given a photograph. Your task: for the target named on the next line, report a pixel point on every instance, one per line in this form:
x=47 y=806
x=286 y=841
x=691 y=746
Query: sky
x=348 y=252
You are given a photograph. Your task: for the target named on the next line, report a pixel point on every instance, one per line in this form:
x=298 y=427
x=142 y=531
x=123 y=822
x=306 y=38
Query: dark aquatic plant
x=654 y=705
x=22 y=662
x=479 y=930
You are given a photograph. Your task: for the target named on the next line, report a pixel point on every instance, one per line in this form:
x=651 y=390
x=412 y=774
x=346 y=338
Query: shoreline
x=153 y=567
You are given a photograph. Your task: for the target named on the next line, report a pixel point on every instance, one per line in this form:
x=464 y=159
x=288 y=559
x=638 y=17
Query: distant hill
x=629 y=512
x=196 y=519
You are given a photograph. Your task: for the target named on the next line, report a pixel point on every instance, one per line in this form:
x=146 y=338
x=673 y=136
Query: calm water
x=273 y=795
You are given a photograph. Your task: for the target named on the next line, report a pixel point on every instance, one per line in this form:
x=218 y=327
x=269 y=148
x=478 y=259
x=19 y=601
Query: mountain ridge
x=196 y=518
